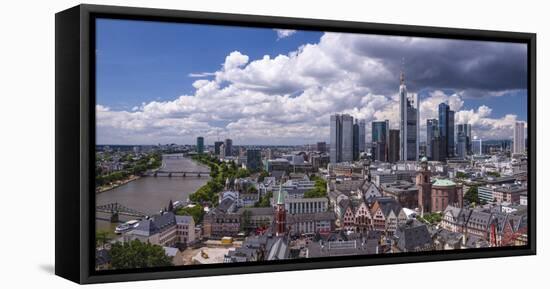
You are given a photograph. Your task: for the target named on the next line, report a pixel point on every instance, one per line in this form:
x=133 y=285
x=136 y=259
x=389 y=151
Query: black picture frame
x=75 y=141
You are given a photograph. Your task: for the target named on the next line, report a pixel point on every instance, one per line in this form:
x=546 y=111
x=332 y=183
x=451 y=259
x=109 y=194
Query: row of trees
x=133 y=167
x=219 y=172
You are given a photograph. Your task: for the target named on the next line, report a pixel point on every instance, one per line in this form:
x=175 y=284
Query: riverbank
x=116 y=184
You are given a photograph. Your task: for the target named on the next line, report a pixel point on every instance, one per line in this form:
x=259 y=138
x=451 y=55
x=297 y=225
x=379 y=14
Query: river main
x=151 y=194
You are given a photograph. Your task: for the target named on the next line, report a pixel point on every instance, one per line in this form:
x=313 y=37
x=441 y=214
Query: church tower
x=424 y=184
x=280 y=214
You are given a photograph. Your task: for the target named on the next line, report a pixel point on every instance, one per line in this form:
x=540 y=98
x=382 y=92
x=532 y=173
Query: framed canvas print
x=195 y=144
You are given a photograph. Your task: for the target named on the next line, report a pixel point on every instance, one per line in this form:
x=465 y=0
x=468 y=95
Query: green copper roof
x=444 y=183
x=281 y=196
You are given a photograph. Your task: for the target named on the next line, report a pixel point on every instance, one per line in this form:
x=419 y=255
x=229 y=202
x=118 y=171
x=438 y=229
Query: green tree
x=264 y=201
x=472 y=195
x=102 y=237
x=433 y=218
x=262 y=176
x=197 y=212
x=493 y=174
x=461 y=175
x=135 y=254
x=319 y=190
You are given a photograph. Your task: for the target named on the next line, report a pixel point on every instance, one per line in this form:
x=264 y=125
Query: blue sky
x=140 y=61
x=150 y=88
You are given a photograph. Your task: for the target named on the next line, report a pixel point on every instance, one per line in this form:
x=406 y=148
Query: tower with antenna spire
x=408 y=124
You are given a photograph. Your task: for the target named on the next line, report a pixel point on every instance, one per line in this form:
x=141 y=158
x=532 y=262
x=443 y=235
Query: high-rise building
x=432 y=131
x=477 y=146
x=335 y=138
x=347 y=138
x=228 y=147
x=461 y=146
x=393 y=152
x=451 y=137
x=446 y=131
x=409 y=114
x=200 y=144
x=322 y=147
x=253 y=159
x=463 y=140
x=380 y=138
x=519 y=138
x=222 y=151
x=341 y=138
x=217 y=146
x=362 y=135
x=356 y=141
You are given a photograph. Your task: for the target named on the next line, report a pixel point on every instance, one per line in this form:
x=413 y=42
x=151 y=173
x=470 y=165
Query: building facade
x=228 y=147
x=393 y=148
x=409 y=115
x=200 y=144
x=519 y=138
x=380 y=139
x=253 y=159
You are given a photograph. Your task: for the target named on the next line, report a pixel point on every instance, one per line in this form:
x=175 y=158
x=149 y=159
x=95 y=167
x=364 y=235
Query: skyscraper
x=477 y=145
x=446 y=131
x=355 y=141
x=335 y=139
x=380 y=138
x=408 y=109
x=393 y=152
x=519 y=138
x=228 y=147
x=341 y=138
x=451 y=136
x=362 y=135
x=217 y=146
x=463 y=139
x=322 y=147
x=461 y=146
x=431 y=132
x=200 y=144
x=347 y=138
x=253 y=159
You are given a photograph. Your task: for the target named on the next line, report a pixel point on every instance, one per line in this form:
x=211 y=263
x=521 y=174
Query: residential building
x=413 y=236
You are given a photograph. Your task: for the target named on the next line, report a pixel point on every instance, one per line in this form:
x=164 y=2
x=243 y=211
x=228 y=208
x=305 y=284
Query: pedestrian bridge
x=161 y=173
x=116 y=209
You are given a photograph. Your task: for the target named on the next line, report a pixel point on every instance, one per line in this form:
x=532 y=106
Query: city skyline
x=287 y=96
